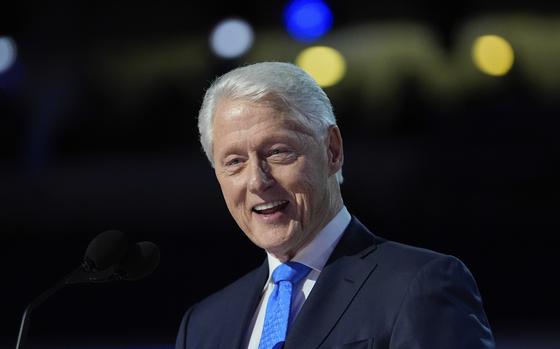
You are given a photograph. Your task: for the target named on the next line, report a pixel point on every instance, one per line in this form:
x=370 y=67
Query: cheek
x=312 y=185
x=310 y=177
x=231 y=192
x=235 y=201
x=303 y=185
x=294 y=179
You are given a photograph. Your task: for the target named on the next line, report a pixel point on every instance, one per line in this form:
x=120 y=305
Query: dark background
x=80 y=155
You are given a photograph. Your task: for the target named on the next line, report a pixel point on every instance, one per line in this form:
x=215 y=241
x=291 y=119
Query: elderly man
x=327 y=282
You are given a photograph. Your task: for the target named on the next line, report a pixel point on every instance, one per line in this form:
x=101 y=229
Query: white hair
x=287 y=86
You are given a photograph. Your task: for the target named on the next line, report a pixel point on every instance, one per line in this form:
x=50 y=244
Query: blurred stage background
x=98 y=105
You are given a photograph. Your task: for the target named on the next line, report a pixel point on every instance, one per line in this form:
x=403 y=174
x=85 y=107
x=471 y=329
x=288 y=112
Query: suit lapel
x=243 y=305
x=343 y=275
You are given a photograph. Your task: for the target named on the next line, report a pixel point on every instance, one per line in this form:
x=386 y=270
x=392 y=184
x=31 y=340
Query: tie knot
x=290 y=271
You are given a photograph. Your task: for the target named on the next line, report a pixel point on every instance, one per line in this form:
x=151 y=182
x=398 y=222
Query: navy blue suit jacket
x=372 y=293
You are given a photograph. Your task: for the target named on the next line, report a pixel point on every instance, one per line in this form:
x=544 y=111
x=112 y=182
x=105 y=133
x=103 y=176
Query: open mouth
x=270 y=207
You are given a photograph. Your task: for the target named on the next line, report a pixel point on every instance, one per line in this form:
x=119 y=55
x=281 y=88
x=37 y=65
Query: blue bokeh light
x=7 y=53
x=308 y=20
x=231 y=38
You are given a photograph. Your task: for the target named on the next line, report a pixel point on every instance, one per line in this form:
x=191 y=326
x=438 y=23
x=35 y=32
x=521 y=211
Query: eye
x=275 y=152
x=233 y=162
x=281 y=155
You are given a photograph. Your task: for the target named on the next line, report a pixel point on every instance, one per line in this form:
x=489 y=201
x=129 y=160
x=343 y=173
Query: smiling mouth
x=270 y=207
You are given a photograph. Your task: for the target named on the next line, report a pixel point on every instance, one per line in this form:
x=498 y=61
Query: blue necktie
x=275 y=328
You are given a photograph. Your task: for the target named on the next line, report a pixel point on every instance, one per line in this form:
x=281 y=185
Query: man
x=328 y=282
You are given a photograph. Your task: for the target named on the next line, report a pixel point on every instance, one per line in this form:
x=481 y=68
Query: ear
x=335 y=153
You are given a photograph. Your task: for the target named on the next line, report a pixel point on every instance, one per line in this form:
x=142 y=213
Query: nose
x=259 y=177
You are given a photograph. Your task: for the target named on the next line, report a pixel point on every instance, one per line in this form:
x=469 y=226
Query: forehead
x=238 y=124
x=243 y=115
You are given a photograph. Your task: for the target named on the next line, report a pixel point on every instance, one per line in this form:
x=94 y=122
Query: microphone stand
x=83 y=273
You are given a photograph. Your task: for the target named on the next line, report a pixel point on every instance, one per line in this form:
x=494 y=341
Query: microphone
x=107 y=249
x=140 y=261
x=109 y=256
x=103 y=253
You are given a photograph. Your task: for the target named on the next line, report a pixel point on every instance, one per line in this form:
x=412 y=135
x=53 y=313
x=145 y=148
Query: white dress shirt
x=315 y=256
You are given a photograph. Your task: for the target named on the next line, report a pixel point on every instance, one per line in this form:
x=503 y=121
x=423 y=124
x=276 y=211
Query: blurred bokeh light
x=325 y=64
x=308 y=20
x=7 y=53
x=231 y=38
x=493 y=55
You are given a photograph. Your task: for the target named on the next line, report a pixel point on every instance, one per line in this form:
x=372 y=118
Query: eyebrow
x=299 y=127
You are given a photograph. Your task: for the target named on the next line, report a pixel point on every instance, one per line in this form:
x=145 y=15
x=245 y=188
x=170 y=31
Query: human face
x=277 y=178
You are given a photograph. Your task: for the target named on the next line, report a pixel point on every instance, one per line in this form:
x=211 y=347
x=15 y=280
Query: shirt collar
x=317 y=252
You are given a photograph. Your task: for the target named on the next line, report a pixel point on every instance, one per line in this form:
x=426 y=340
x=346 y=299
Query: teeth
x=268 y=205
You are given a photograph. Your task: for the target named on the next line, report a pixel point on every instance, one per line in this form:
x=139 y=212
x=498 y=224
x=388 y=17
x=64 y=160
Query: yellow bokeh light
x=492 y=54
x=325 y=64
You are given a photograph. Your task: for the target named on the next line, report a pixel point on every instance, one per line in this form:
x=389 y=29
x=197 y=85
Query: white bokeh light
x=231 y=38
x=7 y=53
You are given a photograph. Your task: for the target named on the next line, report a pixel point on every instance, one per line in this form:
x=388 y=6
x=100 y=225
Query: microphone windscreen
x=141 y=260
x=107 y=249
